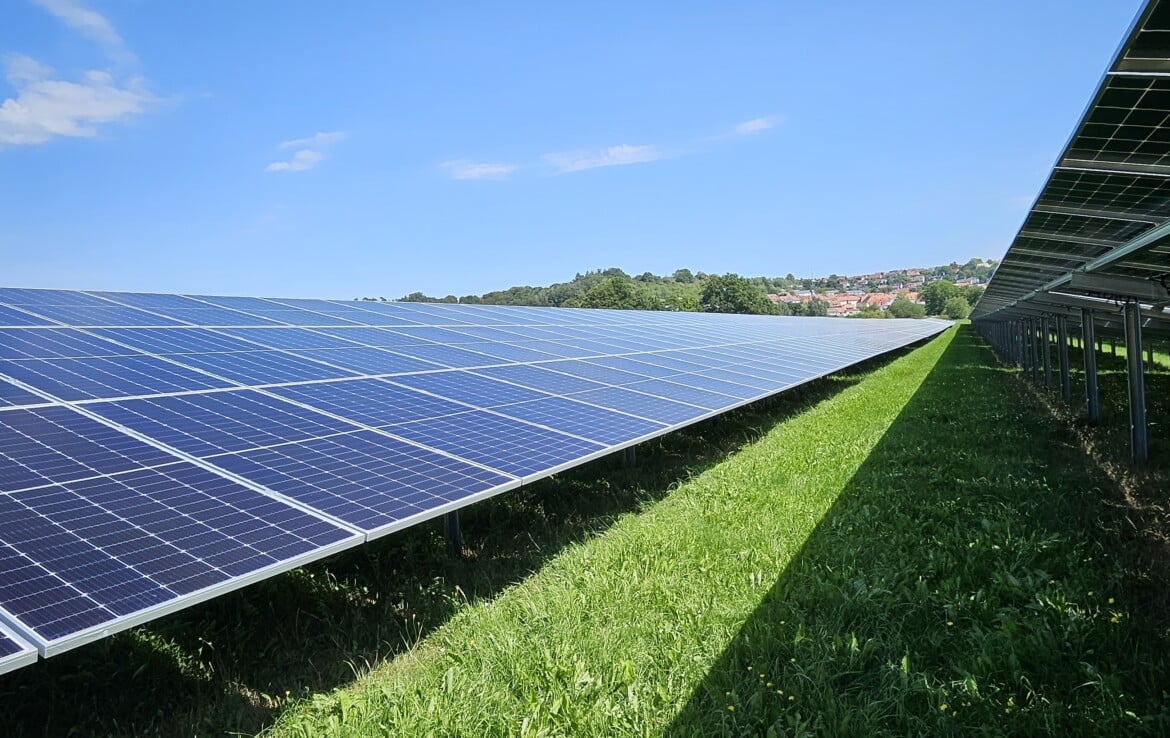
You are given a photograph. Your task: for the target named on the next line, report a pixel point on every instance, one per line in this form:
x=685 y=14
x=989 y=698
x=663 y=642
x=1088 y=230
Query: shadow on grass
x=970 y=579
x=230 y=665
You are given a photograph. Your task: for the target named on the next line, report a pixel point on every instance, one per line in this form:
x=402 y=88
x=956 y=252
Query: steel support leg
x=1034 y=350
x=453 y=532
x=631 y=457
x=1046 y=345
x=1062 y=352
x=1092 y=398
x=1138 y=432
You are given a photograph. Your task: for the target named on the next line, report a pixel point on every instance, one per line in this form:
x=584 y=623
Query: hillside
x=685 y=290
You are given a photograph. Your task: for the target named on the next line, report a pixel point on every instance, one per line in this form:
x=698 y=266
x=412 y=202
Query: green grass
x=913 y=547
x=922 y=553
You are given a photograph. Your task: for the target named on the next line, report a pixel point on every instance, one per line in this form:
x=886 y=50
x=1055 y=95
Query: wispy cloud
x=309 y=151
x=577 y=161
x=90 y=23
x=316 y=141
x=755 y=125
x=45 y=107
x=302 y=161
x=463 y=169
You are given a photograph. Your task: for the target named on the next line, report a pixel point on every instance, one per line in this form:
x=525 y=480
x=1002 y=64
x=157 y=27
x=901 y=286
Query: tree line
x=689 y=291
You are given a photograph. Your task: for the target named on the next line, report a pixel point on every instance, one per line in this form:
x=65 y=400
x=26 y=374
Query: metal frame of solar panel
x=157 y=450
x=1093 y=254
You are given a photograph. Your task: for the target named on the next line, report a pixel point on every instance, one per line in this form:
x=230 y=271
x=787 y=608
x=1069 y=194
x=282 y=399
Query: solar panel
x=14 y=651
x=156 y=450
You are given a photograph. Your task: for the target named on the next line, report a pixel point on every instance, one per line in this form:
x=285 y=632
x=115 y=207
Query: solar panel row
x=156 y=450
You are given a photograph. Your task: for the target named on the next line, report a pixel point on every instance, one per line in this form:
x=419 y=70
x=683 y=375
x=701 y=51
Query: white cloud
x=90 y=23
x=316 y=141
x=462 y=169
x=308 y=153
x=301 y=161
x=45 y=107
x=755 y=125
x=577 y=161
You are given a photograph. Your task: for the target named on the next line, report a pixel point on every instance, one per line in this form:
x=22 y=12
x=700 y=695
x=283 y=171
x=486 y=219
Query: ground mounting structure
x=158 y=450
x=1093 y=255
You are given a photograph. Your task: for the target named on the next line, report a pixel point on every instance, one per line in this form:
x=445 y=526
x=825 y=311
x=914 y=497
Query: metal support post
x=631 y=457
x=453 y=532
x=1046 y=344
x=1138 y=432
x=1062 y=343
x=1092 y=398
x=1034 y=351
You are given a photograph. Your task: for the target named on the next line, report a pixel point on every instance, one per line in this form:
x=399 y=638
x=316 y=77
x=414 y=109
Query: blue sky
x=374 y=148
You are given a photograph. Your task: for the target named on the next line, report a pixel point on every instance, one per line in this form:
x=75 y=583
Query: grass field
x=913 y=547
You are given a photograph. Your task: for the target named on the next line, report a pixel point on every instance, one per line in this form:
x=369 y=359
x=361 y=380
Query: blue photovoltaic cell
x=684 y=393
x=12 y=316
x=596 y=372
x=33 y=297
x=553 y=348
x=666 y=360
x=448 y=356
x=470 y=388
x=369 y=360
x=289 y=338
x=348 y=312
x=371 y=402
x=511 y=352
x=391 y=314
x=97 y=315
x=99 y=529
x=375 y=337
x=712 y=384
x=261 y=367
x=11 y=395
x=759 y=384
x=55 y=444
x=367 y=479
x=598 y=424
x=429 y=334
x=292 y=316
x=184 y=309
x=435 y=315
x=212 y=423
x=501 y=443
x=635 y=367
x=14 y=652
x=83 y=554
x=174 y=340
x=495 y=335
x=55 y=343
x=646 y=406
x=541 y=378
x=83 y=379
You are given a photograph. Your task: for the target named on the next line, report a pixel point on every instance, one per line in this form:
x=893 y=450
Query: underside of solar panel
x=158 y=450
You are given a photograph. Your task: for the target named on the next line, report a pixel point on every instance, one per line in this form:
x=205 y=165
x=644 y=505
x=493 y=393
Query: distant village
x=854 y=295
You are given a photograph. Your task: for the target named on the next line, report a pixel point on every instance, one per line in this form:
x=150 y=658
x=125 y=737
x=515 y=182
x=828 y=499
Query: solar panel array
x=1105 y=209
x=157 y=450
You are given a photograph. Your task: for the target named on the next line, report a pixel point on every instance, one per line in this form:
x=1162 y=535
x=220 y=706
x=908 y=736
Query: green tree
x=936 y=294
x=683 y=276
x=818 y=308
x=732 y=293
x=620 y=293
x=903 y=308
x=956 y=308
x=973 y=293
